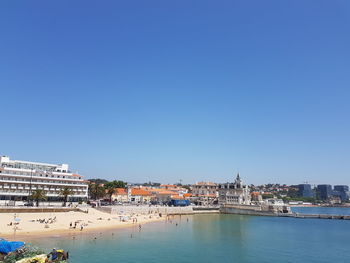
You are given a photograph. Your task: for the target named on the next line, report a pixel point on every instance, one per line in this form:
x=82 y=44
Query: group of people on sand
x=47 y=221
x=75 y=225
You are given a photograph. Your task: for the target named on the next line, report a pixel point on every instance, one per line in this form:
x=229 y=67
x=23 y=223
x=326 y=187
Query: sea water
x=213 y=238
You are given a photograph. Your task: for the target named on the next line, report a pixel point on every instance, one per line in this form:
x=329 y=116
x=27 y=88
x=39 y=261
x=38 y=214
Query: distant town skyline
x=163 y=91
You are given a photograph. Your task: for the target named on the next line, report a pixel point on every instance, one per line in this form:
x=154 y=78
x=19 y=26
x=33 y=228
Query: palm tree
x=65 y=193
x=38 y=195
x=96 y=191
x=110 y=193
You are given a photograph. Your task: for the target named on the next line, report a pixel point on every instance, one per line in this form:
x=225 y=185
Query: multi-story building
x=305 y=190
x=342 y=191
x=19 y=179
x=204 y=189
x=204 y=193
x=120 y=195
x=234 y=193
x=139 y=196
x=324 y=191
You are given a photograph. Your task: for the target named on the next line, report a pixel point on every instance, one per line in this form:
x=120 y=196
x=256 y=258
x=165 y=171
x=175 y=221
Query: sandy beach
x=14 y=226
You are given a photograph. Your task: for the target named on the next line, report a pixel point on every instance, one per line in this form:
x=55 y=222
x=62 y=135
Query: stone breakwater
x=164 y=210
x=255 y=211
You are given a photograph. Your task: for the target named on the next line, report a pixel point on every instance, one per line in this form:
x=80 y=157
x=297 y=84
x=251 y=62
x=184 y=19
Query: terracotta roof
x=136 y=191
x=77 y=175
x=156 y=190
x=255 y=193
x=120 y=191
x=187 y=195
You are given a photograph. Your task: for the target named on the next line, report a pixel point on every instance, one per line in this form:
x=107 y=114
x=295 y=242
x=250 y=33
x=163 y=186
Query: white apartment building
x=19 y=179
x=205 y=189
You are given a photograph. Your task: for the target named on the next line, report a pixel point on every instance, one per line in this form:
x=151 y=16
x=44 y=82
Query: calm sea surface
x=214 y=238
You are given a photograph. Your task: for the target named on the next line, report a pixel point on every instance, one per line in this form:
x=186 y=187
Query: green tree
x=267 y=196
x=96 y=191
x=38 y=195
x=98 y=181
x=115 y=184
x=65 y=193
x=110 y=192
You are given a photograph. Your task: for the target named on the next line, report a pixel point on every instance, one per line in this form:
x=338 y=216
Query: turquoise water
x=215 y=238
x=323 y=210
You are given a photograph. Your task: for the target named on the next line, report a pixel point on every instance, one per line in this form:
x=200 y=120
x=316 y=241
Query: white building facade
x=236 y=193
x=19 y=179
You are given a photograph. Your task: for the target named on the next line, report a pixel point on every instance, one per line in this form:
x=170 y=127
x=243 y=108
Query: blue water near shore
x=214 y=238
x=322 y=210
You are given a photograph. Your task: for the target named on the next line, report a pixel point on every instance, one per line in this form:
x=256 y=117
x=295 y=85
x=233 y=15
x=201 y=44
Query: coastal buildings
x=324 y=191
x=305 y=190
x=120 y=195
x=204 y=189
x=204 y=193
x=139 y=196
x=234 y=193
x=342 y=191
x=19 y=179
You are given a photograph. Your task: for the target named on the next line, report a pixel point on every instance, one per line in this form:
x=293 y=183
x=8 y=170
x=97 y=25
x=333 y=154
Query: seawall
x=187 y=210
x=38 y=209
x=255 y=212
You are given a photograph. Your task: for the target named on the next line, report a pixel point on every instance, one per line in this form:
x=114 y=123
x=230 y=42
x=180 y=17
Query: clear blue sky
x=170 y=90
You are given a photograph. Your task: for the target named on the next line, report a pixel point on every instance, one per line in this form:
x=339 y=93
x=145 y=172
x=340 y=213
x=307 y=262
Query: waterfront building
x=342 y=191
x=19 y=179
x=256 y=197
x=120 y=195
x=234 y=193
x=305 y=190
x=139 y=196
x=204 y=188
x=204 y=193
x=165 y=196
x=324 y=191
x=171 y=187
